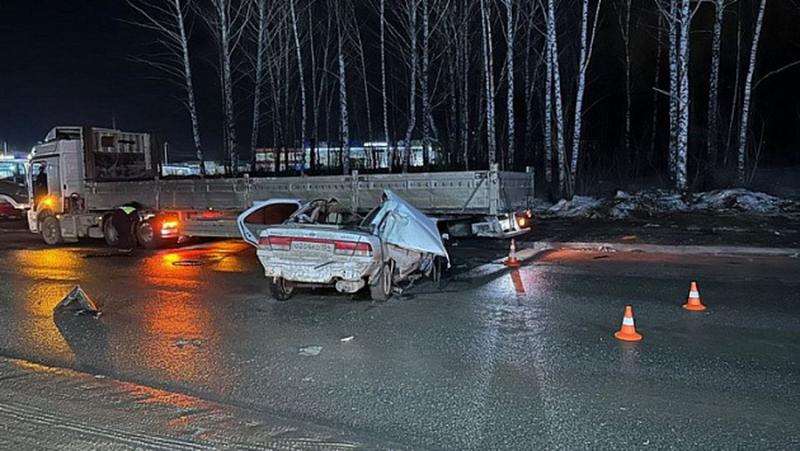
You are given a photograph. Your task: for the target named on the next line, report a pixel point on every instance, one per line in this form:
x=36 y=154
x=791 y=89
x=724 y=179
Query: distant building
x=371 y=155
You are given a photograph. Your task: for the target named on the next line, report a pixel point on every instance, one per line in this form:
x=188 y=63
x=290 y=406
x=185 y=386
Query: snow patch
x=657 y=202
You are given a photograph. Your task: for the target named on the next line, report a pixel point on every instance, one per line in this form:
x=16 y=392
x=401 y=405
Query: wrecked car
x=320 y=244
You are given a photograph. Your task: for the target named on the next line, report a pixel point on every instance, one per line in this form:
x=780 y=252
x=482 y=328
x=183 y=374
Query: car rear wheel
x=281 y=289
x=51 y=231
x=382 y=290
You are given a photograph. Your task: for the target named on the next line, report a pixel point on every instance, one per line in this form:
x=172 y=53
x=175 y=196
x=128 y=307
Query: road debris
x=80 y=303
x=310 y=351
x=346 y=339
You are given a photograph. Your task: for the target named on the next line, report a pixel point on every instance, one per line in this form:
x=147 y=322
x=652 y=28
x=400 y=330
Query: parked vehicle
x=13 y=191
x=79 y=175
x=321 y=244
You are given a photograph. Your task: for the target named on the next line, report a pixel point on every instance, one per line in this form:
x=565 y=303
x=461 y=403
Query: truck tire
x=110 y=233
x=50 y=229
x=280 y=289
x=382 y=291
x=147 y=237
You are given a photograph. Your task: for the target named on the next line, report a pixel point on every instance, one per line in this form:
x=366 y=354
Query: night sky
x=69 y=63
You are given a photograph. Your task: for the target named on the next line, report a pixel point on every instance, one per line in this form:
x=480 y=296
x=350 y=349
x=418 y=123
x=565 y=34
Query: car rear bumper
x=316 y=272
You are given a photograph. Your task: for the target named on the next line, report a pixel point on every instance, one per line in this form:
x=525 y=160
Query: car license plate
x=306 y=247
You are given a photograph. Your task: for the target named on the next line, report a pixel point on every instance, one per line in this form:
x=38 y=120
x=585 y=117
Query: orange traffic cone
x=512 y=261
x=694 y=302
x=628 y=330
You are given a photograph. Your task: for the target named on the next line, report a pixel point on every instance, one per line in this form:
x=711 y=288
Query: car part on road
x=79 y=302
x=281 y=289
x=628 y=330
x=694 y=303
x=51 y=230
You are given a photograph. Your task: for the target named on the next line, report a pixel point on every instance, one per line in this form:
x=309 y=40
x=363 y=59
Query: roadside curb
x=665 y=249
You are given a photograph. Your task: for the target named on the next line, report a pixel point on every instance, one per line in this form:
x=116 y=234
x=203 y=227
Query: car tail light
x=276 y=243
x=352 y=248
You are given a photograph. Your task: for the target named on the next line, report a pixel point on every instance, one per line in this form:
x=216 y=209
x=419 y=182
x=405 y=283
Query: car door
x=263 y=214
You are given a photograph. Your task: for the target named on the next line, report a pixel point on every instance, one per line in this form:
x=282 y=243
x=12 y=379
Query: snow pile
x=645 y=203
x=742 y=201
x=658 y=202
x=578 y=207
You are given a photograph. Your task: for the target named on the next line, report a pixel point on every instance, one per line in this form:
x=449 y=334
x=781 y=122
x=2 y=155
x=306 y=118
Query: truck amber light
x=169 y=227
x=352 y=248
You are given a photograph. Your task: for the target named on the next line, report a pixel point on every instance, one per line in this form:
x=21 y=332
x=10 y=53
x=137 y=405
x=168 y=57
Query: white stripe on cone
x=694 y=294
x=627 y=321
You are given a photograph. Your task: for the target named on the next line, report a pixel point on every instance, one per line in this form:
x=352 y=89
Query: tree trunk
x=510 y=158
x=713 y=85
x=191 y=103
x=412 y=89
x=488 y=71
x=464 y=47
x=746 y=99
x=424 y=79
x=259 y=80
x=583 y=64
x=302 y=77
x=384 y=100
x=344 y=121
x=673 y=88
x=683 y=98
x=548 y=114
x=561 y=157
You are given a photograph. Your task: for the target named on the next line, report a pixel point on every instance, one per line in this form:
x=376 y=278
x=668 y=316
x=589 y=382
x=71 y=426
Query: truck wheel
x=147 y=236
x=382 y=291
x=50 y=229
x=281 y=289
x=110 y=233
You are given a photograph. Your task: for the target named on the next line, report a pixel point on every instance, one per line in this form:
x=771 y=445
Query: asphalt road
x=524 y=360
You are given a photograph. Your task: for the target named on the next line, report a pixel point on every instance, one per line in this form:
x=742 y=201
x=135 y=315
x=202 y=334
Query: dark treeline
x=582 y=90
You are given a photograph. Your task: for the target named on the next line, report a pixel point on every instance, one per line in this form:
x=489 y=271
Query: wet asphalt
x=524 y=360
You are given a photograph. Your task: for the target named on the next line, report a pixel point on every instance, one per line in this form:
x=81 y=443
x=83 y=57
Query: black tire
x=110 y=233
x=280 y=289
x=382 y=291
x=50 y=229
x=147 y=237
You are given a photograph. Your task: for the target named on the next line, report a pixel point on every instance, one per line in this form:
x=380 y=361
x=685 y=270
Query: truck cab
x=62 y=168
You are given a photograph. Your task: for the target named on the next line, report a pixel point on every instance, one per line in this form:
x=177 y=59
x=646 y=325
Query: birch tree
x=227 y=24
x=746 y=97
x=561 y=151
x=682 y=140
x=624 y=20
x=262 y=23
x=509 y=4
x=302 y=79
x=713 y=83
x=585 y=56
x=411 y=10
x=384 y=98
x=167 y=18
x=341 y=30
x=488 y=71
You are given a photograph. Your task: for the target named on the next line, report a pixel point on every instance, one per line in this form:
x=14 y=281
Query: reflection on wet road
x=527 y=360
